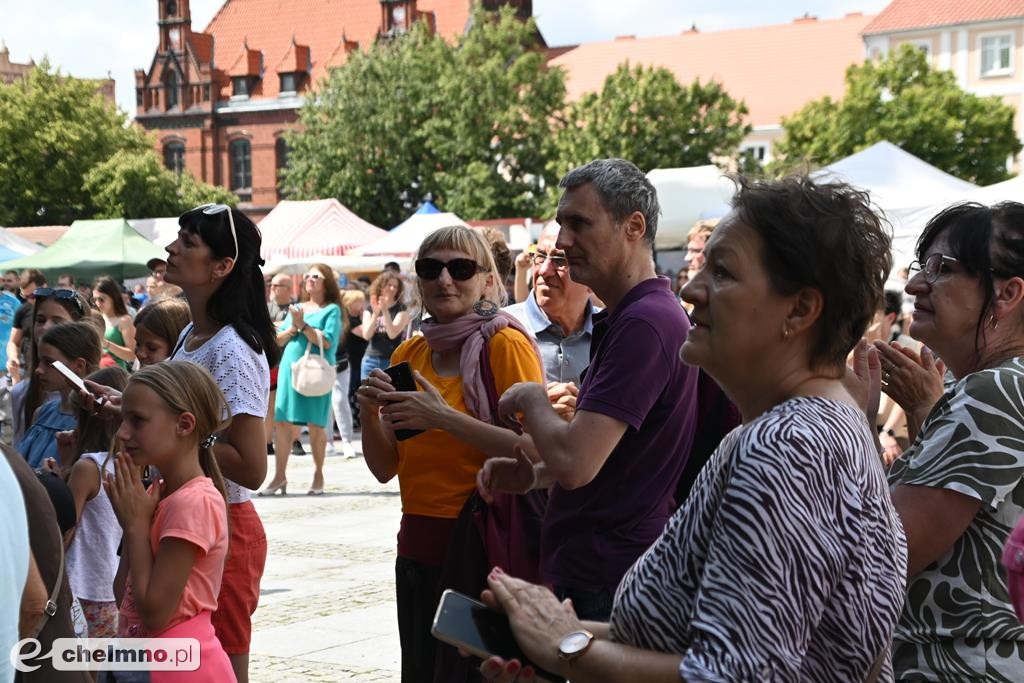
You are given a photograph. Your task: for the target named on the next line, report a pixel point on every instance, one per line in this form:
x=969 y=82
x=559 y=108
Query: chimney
x=692 y=30
x=805 y=19
x=624 y=38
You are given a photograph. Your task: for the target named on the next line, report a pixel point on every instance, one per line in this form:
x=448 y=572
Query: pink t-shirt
x=196 y=512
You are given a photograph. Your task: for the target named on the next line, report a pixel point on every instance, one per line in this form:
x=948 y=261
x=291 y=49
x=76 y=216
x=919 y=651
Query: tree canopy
x=922 y=110
x=645 y=115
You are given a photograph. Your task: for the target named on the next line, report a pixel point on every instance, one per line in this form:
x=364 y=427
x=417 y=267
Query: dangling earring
x=992 y=321
x=485 y=307
x=785 y=333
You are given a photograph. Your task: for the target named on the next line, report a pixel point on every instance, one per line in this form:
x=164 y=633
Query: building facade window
x=281 y=153
x=997 y=55
x=241 y=164
x=924 y=46
x=171 y=86
x=240 y=86
x=289 y=82
x=174 y=157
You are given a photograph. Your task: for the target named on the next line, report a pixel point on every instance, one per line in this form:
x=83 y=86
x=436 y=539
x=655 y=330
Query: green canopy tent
x=92 y=248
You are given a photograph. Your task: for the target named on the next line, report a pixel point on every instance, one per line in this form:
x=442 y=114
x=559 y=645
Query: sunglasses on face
x=213 y=210
x=313 y=276
x=459 y=268
x=64 y=294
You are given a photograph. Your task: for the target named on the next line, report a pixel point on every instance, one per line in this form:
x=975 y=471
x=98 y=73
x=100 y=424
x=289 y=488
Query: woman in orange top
x=469 y=354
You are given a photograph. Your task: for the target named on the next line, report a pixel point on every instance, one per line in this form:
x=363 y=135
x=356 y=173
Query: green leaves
x=903 y=100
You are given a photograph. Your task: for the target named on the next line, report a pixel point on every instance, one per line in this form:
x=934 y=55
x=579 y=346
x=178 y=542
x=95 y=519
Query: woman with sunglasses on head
x=119 y=335
x=468 y=355
x=384 y=323
x=51 y=307
x=317 y=321
x=959 y=488
x=216 y=262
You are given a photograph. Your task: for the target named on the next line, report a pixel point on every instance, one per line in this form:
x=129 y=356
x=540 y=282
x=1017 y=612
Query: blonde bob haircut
x=473 y=243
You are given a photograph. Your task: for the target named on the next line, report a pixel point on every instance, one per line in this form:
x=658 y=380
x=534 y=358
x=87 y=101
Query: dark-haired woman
x=959 y=488
x=119 y=334
x=216 y=262
x=787 y=561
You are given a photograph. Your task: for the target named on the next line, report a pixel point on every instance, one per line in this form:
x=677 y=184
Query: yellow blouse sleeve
x=513 y=360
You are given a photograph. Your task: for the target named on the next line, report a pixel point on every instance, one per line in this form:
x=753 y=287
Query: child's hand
x=101 y=400
x=66 y=447
x=133 y=505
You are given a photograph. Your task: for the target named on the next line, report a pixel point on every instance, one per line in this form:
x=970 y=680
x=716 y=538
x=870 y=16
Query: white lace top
x=242 y=375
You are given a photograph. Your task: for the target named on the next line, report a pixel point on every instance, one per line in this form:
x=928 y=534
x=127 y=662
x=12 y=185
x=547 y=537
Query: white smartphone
x=71 y=377
x=473 y=626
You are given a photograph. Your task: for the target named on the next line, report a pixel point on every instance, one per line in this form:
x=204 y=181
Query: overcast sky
x=90 y=39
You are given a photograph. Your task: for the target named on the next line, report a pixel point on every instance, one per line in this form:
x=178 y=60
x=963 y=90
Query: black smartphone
x=466 y=623
x=402 y=380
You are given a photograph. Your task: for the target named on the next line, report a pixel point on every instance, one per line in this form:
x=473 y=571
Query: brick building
x=13 y=71
x=220 y=100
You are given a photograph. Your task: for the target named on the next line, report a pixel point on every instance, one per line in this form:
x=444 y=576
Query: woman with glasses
x=119 y=335
x=317 y=321
x=51 y=307
x=216 y=262
x=468 y=355
x=959 y=488
x=384 y=323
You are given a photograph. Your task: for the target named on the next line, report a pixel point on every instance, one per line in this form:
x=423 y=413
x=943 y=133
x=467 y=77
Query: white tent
x=12 y=246
x=894 y=178
x=339 y=264
x=302 y=229
x=687 y=195
x=159 y=231
x=405 y=238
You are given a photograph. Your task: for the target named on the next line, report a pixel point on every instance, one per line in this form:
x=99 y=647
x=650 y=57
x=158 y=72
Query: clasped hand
x=424 y=409
x=132 y=503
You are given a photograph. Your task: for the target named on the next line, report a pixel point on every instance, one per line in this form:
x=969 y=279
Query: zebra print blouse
x=786 y=563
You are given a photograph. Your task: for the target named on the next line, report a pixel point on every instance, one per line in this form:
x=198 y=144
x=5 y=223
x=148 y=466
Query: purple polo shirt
x=593 y=534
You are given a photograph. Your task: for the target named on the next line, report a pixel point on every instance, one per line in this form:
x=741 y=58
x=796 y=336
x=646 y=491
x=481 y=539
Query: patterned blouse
x=787 y=562
x=958 y=623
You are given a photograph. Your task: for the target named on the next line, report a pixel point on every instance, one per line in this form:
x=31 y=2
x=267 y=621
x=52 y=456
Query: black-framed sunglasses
x=62 y=294
x=932 y=267
x=459 y=268
x=213 y=210
x=557 y=260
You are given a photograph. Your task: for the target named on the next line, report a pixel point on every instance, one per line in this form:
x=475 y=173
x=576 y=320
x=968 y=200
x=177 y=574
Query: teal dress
x=291 y=406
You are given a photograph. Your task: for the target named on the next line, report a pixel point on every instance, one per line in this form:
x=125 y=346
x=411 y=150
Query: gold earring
x=993 y=322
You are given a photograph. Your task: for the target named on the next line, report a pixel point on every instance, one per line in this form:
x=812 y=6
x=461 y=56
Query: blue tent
x=427 y=207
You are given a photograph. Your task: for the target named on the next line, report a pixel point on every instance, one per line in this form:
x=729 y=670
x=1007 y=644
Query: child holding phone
x=176 y=532
x=77 y=346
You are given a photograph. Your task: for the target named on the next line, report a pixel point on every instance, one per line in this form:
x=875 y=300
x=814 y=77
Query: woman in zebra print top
x=787 y=562
x=959 y=488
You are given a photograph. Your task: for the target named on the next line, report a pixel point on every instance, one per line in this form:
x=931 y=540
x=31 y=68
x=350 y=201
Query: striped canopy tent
x=313 y=229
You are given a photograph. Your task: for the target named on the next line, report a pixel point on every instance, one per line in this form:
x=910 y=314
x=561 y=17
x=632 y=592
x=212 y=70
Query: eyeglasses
x=558 y=261
x=310 y=276
x=62 y=294
x=933 y=267
x=459 y=268
x=213 y=210
x=278 y=285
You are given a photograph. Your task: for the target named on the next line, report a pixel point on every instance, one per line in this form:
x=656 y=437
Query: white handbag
x=313 y=375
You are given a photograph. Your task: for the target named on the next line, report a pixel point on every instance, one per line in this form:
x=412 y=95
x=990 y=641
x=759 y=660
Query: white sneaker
x=349 y=450
x=330 y=449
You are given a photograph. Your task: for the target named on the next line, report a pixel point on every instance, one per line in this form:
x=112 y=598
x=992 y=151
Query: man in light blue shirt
x=558 y=314
x=9 y=304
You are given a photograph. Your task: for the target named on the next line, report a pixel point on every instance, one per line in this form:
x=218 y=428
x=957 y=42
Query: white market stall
x=405 y=238
x=687 y=195
x=302 y=230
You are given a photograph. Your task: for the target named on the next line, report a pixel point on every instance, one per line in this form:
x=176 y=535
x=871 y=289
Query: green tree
x=903 y=100
x=643 y=114
x=53 y=130
x=469 y=125
x=135 y=184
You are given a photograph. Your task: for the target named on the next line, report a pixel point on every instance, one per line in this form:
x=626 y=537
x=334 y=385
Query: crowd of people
x=770 y=468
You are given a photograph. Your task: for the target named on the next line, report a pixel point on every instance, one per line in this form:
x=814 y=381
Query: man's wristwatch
x=575 y=644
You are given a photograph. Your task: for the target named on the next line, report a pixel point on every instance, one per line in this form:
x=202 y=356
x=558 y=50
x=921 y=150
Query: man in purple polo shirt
x=614 y=467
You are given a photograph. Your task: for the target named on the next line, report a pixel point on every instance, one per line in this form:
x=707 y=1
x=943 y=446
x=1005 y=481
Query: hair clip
x=209 y=441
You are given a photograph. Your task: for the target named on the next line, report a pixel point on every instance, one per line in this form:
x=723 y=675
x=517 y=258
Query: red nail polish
x=497 y=570
x=513 y=667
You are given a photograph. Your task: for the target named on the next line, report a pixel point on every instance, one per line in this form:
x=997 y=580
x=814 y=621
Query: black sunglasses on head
x=458 y=268
x=65 y=294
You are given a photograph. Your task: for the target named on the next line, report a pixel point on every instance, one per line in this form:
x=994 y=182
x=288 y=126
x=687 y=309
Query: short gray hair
x=622 y=187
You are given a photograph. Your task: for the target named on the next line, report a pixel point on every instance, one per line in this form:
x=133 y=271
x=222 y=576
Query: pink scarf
x=470 y=333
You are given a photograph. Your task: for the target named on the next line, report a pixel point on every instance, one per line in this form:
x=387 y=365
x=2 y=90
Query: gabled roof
x=248 y=63
x=907 y=15
x=775 y=69
x=271 y=25
x=295 y=60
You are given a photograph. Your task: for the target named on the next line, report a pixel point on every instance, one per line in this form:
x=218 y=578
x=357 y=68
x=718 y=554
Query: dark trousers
x=589 y=605
x=417 y=589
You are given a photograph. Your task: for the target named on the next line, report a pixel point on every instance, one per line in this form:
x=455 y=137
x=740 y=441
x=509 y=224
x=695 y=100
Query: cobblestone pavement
x=327 y=605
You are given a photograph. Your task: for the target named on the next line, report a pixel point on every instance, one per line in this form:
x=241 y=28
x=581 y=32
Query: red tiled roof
x=40 y=234
x=296 y=59
x=904 y=15
x=270 y=26
x=247 y=63
x=775 y=69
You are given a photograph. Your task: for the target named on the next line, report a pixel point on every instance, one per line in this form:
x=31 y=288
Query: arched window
x=171 y=86
x=174 y=156
x=241 y=164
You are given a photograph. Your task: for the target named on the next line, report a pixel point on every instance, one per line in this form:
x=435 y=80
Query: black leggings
x=417 y=589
